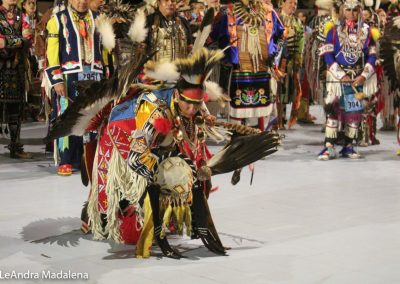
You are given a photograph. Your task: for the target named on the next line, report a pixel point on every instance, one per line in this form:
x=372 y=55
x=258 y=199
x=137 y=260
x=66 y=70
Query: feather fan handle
x=241 y=129
x=105 y=29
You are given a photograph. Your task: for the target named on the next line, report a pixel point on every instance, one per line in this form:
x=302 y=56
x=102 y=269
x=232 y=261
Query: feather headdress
x=324 y=4
x=189 y=75
x=351 y=4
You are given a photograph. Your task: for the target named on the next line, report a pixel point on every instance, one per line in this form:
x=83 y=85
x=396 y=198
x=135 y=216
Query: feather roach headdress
x=351 y=4
x=189 y=75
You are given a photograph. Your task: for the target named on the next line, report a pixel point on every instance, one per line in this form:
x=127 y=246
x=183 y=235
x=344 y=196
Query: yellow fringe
x=143 y=246
x=166 y=220
x=188 y=219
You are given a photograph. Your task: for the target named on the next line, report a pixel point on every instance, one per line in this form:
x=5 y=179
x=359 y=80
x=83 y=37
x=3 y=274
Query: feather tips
x=205 y=30
x=104 y=27
x=368 y=3
x=194 y=69
x=138 y=31
x=242 y=151
x=324 y=4
x=162 y=71
x=215 y=93
x=199 y=64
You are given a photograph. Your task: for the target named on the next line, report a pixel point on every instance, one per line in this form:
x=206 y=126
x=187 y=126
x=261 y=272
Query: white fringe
x=350 y=132
x=333 y=88
x=93 y=206
x=122 y=183
x=370 y=86
x=218 y=134
x=251 y=112
x=330 y=132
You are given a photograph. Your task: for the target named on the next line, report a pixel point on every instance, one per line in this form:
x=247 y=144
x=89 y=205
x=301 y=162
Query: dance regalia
x=314 y=64
x=12 y=76
x=349 y=50
x=292 y=55
x=174 y=41
x=73 y=54
x=173 y=37
x=253 y=35
x=152 y=162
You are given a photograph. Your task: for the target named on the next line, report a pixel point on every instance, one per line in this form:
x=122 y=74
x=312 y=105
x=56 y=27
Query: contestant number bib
x=88 y=76
x=351 y=104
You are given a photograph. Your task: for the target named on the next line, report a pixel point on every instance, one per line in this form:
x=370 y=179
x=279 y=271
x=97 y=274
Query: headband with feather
x=189 y=75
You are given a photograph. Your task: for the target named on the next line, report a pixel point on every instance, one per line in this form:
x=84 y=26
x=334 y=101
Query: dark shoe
x=349 y=152
x=17 y=152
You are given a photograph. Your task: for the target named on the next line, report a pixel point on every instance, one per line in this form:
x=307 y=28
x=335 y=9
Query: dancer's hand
x=346 y=79
x=60 y=89
x=359 y=81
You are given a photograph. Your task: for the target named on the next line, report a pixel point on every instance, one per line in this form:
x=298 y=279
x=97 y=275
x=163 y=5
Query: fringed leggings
x=331 y=130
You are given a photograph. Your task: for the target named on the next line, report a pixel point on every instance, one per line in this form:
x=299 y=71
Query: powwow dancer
x=350 y=55
x=254 y=33
x=13 y=49
x=74 y=54
x=160 y=164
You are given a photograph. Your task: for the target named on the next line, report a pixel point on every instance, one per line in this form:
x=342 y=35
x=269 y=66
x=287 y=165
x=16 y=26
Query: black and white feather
x=242 y=151
x=205 y=30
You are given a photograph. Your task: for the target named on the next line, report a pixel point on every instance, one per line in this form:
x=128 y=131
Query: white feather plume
x=138 y=31
x=105 y=28
x=162 y=71
x=368 y=3
x=215 y=93
x=324 y=4
x=377 y=4
x=396 y=22
x=58 y=8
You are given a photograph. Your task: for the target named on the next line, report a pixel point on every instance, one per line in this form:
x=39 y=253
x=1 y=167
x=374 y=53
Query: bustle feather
x=205 y=30
x=194 y=69
x=197 y=68
x=242 y=151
